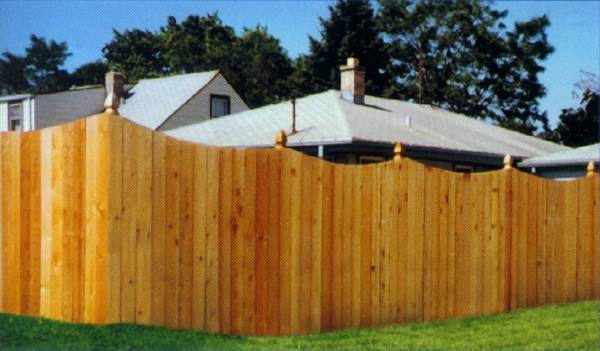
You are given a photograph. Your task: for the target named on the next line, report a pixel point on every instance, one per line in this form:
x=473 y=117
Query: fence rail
x=104 y=221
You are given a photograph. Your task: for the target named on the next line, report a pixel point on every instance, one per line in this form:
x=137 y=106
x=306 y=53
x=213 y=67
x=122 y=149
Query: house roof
x=6 y=98
x=324 y=118
x=579 y=156
x=152 y=101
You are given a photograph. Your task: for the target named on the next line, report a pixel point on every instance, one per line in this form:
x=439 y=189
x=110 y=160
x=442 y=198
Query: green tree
x=350 y=31
x=264 y=68
x=579 y=126
x=254 y=63
x=136 y=53
x=13 y=78
x=460 y=56
x=39 y=71
x=91 y=73
x=198 y=43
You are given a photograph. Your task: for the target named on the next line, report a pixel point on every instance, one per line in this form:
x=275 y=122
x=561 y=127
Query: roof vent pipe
x=407 y=121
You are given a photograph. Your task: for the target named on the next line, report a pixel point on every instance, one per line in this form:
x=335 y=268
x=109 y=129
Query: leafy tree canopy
x=91 y=73
x=254 y=63
x=350 y=31
x=579 y=126
x=460 y=55
x=136 y=53
x=38 y=71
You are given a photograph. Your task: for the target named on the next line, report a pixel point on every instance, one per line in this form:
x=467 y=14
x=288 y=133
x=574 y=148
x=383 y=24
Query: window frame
x=219 y=96
x=18 y=118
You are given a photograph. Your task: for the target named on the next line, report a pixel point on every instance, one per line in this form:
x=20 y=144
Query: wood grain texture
x=104 y=221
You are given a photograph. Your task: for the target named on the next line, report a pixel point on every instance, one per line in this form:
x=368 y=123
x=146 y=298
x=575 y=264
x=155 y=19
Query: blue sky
x=86 y=26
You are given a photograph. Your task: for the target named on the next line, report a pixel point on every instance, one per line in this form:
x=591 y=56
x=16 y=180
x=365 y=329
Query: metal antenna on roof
x=293 y=115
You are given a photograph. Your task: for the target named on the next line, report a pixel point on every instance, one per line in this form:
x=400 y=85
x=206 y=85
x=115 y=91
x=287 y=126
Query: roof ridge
x=342 y=114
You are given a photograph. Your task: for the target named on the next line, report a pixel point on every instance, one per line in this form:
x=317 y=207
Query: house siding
x=3 y=116
x=197 y=109
x=67 y=106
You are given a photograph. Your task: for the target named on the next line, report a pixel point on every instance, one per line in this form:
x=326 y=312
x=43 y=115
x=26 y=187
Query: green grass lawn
x=562 y=327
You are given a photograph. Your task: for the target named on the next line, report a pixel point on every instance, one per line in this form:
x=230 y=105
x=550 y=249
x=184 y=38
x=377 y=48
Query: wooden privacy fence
x=104 y=221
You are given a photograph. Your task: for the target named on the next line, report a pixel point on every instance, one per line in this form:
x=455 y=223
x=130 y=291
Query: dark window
x=15 y=116
x=363 y=160
x=220 y=105
x=463 y=168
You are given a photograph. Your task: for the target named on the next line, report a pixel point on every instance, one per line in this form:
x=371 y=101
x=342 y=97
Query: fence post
x=507 y=161
x=280 y=140
x=398 y=152
x=591 y=168
x=113 y=82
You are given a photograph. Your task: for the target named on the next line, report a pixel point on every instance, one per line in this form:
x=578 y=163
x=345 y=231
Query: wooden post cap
x=280 y=140
x=113 y=83
x=398 y=152
x=591 y=168
x=507 y=161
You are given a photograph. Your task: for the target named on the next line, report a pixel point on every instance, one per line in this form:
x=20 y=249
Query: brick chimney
x=113 y=83
x=352 y=82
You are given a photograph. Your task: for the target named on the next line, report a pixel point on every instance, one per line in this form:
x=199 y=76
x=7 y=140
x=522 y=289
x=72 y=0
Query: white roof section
x=579 y=156
x=16 y=97
x=325 y=118
x=152 y=101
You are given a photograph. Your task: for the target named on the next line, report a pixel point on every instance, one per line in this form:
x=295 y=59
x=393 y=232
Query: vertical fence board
x=199 y=242
x=337 y=234
x=261 y=242
x=285 y=239
x=354 y=245
x=327 y=255
x=129 y=214
x=317 y=203
x=213 y=240
x=248 y=233
x=238 y=211
x=186 y=230
x=224 y=180
x=172 y=239
x=273 y=242
x=46 y=219
x=305 y=245
x=159 y=229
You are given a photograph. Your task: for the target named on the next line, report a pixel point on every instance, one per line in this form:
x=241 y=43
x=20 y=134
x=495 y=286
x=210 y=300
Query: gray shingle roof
x=152 y=101
x=579 y=156
x=324 y=118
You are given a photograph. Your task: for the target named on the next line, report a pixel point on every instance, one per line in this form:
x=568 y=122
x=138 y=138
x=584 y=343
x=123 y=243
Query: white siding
x=3 y=116
x=27 y=115
x=197 y=109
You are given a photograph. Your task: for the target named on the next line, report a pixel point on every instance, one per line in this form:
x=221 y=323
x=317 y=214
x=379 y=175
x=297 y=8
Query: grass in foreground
x=561 y=327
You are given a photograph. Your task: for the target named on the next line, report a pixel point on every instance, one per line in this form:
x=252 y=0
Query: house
x=564 y=165
x=348 y=126
x=158 y=104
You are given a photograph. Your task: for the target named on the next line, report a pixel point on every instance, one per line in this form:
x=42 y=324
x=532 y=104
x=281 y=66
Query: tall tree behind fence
x=104 y=221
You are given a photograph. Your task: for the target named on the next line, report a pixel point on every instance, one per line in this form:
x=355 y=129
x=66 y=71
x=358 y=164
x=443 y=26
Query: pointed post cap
x=591 y=168
x=398 y=152
x=280 y=140
x=507 y=161
x=113 y=83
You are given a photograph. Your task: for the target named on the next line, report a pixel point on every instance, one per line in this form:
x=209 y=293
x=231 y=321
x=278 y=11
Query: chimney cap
x=351 y=64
